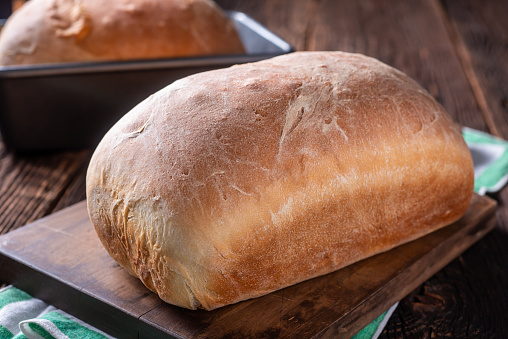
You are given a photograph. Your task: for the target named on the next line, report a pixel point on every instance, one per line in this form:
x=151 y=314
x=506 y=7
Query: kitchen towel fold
x=490 y=156
x=22 y=317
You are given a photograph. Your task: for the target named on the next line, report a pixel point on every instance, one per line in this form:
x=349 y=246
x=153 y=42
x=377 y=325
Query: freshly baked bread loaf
x=230 y=184
x=51 y=31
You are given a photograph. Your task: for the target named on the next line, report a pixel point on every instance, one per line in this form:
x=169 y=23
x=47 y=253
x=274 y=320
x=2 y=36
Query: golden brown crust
x=49 y=31
x=230 y=184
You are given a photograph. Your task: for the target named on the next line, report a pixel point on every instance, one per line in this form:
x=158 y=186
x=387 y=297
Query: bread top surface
x=230 y=184
x=52 y=31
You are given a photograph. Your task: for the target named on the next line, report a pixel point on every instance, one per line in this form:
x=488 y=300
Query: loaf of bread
x=54 y=31
x=230 y=184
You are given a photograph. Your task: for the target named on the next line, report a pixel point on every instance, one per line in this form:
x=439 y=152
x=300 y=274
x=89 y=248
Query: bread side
x=49 y=31
x=230 y=184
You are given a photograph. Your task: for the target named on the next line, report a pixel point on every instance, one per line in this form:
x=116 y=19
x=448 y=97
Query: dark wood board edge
x=67 y=297
x=150 y=330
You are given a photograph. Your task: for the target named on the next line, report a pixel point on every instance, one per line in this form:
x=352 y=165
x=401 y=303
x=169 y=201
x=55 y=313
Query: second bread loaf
x=55 y=31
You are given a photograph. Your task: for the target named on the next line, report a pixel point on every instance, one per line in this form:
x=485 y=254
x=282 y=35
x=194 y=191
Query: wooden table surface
x=457 y=50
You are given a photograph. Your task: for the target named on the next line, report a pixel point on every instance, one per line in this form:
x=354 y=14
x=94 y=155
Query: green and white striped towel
x=22 y=317
x=490 y=156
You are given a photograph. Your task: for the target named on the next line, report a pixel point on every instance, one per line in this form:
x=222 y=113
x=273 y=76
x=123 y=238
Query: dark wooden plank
x=60 y=260
x=75 y=191
x=32 y=184
x=480 y=29
x=409 y=35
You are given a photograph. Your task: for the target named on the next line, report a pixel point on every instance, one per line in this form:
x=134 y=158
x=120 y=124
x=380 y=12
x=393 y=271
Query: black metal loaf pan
x=71 y=106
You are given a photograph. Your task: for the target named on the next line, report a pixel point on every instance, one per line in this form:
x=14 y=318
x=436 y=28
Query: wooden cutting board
x=60 y=260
